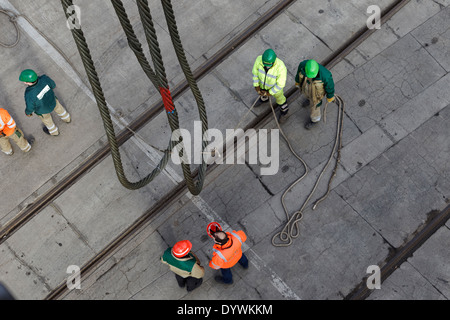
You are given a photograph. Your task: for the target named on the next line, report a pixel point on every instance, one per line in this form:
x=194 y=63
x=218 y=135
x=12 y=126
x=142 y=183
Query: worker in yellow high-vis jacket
x=269 y=79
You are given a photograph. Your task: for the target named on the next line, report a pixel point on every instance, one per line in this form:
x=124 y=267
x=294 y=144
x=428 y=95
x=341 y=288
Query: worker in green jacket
x=315 y=82
x=185 y=265
x=269 y=79
x=41 y=100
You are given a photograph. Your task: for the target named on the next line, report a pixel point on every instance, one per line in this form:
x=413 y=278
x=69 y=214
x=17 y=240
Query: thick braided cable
x=178 y=46
x=172 y=114
x=133 y=41
x=94 y=80
x=152 y=40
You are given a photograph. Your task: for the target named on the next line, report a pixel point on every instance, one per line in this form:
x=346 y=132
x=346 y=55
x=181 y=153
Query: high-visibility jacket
x=226 y=256
x=273 y=81
x=40 y=98
x=7 y=123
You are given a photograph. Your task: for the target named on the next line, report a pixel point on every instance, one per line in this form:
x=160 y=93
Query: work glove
x=297 y=85
x=265 y=93
x=258 y=89
x=331 y=100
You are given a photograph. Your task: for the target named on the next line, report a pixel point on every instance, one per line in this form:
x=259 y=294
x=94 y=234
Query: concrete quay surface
x=394 y=171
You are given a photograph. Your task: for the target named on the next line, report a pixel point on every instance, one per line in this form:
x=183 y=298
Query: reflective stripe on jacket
x=226 y=256
x=7 y=123
x=273 y=81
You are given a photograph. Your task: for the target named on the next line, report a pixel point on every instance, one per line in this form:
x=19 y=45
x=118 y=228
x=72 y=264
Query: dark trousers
x=226 y=273
x=191 y=283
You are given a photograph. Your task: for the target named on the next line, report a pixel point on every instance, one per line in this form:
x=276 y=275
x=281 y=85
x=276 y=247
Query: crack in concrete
x=260 y=180
x=41 y=278
x=80 y=235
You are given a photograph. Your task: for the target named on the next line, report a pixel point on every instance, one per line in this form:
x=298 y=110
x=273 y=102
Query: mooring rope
x=291 y=230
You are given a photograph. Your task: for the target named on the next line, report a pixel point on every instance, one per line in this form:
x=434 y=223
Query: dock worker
x=315 y=82
x=9 y=131
x=41 y=100
x=185 y=264
x=269 y=79
x=227 y=252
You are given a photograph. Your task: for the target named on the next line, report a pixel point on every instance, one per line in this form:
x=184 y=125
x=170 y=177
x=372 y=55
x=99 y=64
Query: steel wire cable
x=133 y=41
x=177 y=43
x=150 y=32
x=157 y=77
x=89 y=66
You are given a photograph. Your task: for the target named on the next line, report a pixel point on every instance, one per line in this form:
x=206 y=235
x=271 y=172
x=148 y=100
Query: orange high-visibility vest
x=226 y=256
x=7 y=123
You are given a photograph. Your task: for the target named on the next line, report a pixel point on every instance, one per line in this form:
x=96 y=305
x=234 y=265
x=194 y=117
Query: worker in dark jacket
x=315 y=82
x=41 y=100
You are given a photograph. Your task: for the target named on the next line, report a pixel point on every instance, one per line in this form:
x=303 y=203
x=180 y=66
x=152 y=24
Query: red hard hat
x=212 y=228
x=182 y=248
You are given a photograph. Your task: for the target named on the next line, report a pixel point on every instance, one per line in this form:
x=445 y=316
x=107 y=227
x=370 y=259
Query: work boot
x=220 y=280
x=67 y=118
x=9 y=154
x=283 y=110
x=29 y=146
x=45 y=129
x=310 y=125
x=261 y=101
x=31 y=141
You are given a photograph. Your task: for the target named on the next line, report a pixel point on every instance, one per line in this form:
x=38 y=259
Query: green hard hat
x=312 y=69
x=28 y=76
x=269 y=58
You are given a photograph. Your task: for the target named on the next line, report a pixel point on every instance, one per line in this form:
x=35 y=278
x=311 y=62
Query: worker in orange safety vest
x=227 y=253
x=9 y=130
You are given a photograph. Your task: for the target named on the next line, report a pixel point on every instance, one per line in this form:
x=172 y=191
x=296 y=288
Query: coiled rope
x=158 y=78
x=13 y=18
x=291 y=231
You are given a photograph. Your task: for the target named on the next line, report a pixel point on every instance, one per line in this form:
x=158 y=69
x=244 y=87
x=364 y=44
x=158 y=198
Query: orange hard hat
x=182 y=248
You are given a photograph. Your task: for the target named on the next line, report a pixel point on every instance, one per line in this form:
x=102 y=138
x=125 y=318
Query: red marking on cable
x=167 y=99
